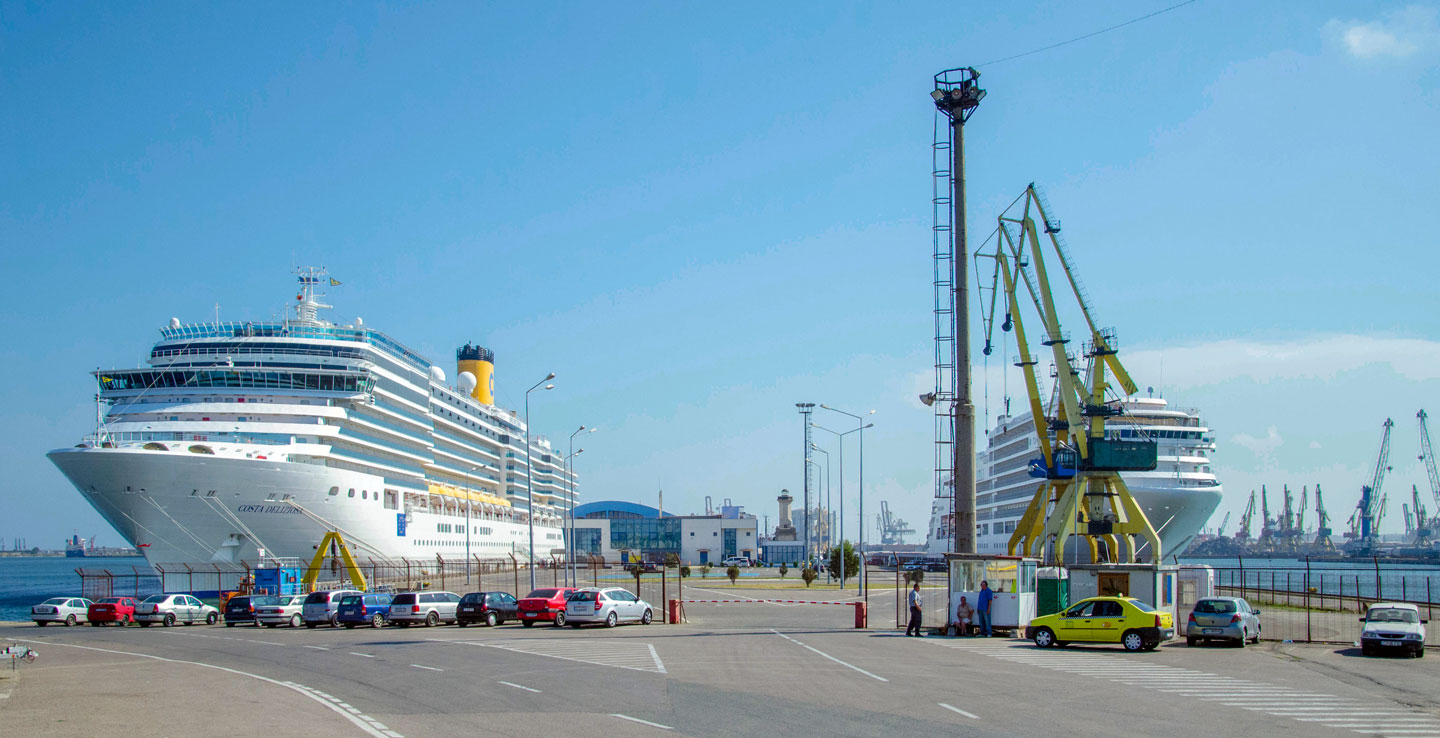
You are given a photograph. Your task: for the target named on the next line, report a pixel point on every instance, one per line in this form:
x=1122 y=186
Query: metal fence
x=1322 y=602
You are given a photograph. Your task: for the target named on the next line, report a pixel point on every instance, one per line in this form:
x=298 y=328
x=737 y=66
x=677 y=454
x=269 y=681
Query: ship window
x=364 y=494
x=155 y=447
x=352 y=492
x=334 y=491
x=198 y=449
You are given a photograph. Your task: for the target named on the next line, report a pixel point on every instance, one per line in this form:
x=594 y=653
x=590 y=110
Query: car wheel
x=610 y=619
x=1240 y=642
x=169 y=619
x=1132 y=641
x=295 y=621
x=69 y=620
x=431 y=619
x=1191 y=641
x=1420 y=652
x=212 y=618
x=1044 y=638
x=1367 y=650
x=1256 y=638
x=377 y=620
x=646 y=618
x=528 y=623
x=335 y=620
x=491 y=620
x=559 y=619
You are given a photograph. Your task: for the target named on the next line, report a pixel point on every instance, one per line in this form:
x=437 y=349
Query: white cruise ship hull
x=180 y=508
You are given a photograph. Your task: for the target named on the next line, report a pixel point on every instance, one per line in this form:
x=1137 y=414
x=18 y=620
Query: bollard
x=674 y=611
x=860 y=615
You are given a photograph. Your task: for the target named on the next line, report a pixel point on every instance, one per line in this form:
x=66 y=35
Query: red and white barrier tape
x=756 y=602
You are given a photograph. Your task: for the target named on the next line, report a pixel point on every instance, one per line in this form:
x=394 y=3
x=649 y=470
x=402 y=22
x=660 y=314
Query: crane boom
x=1428 y=457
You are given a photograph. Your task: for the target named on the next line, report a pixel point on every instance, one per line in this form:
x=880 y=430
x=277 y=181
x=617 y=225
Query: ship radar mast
x=307 y=300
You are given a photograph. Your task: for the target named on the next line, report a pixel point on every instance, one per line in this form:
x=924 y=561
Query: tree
x=915 y=577
x=734 y=573
x=852 y=560
x=672 y=559
x=705 y=570
x=784 y=570
x=809 y=575
x=684 y=571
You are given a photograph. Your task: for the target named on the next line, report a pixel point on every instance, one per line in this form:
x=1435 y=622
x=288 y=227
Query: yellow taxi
x=1124 y=620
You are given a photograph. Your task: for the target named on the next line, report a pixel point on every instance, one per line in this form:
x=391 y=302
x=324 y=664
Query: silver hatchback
x=323 y=607
x=1223 y=619
x=430 y=608
x=608 y=605
x=169 y=609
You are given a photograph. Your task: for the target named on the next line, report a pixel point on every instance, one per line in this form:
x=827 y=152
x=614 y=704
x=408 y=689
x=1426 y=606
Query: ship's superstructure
x=1178 y=497
x=245 y=436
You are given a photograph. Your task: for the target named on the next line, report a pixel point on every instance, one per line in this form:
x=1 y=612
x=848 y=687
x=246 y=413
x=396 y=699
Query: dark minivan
x=241 y=608
x=359 y=609
x=490 y=608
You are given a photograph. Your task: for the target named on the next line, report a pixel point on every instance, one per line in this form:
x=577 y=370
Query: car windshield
x=1393 y=615
x=318 y=598
x=542 y=594
x=157 y=599
x=403 y=599
x=56 y=601
x=111 y=600
x=473 y=598
x=584 y=596
x=1215 y=607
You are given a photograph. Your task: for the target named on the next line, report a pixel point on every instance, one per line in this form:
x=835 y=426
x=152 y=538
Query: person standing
x=915 y=605
x=982 y=608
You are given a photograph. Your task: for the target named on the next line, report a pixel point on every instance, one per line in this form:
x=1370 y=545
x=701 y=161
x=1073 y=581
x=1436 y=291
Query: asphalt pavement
x=746 y=668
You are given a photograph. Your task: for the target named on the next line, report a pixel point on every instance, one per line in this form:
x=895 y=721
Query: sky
x=698 y=215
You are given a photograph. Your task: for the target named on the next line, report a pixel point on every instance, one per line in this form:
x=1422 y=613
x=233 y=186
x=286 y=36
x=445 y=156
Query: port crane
x=1423 y=526
x=1220 y=532
x=892 y=529
x=1322 y=533
x=1428 y=456
x=1300 y=515
x=1365 y=521
x=1082 y=494
x=1245 y=518
x=1267 y=523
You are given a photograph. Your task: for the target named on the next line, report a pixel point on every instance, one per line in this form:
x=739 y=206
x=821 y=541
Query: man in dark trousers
x=915 y=603
x=982 y=608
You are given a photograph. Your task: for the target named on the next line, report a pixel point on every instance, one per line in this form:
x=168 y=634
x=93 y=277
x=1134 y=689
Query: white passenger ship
x=1178 y=497
x=242 y=437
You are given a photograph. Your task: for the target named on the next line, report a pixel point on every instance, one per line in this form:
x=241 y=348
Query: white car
x=430 y=608
x=1393 y=625
x=169 y=609
x=67 y=610
x=284 y=612
x=740 y=561
x=608 y=605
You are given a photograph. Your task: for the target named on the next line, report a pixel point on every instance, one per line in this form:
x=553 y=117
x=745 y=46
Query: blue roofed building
x=629 y=531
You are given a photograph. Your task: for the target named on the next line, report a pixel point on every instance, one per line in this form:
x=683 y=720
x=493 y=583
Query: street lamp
x=568 y=466
x=840 y=439
x=570 y=550
x=829 y=511
x=530 y=477
x=860 y=420
x=469 y=509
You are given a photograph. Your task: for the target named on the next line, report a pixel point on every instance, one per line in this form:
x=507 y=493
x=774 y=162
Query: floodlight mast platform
x=956 y=95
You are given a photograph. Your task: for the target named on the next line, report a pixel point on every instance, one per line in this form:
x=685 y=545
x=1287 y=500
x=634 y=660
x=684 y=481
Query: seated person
x=964 y=616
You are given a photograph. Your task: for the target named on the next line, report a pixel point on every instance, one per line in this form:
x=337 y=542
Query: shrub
x=705 y=570
x=784 y=570
x=809 y=575
x=915 y=577
x=852 y=560
x=684 y=571
x=734 y=573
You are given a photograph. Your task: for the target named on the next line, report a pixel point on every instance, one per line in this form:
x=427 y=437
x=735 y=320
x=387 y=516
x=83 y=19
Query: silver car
x=67 y=610
x=1223 y=619
x=284 y=612
x=324 y=607
x=169 y=609
x=430 y=608
x=608 y=605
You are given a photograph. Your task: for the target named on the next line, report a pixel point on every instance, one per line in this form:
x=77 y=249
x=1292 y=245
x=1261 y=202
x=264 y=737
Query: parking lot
x=734 y=668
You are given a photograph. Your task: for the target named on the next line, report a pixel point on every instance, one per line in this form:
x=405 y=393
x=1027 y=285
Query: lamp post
x=570 y=550
x=829 y=511
x=860 y=420
x=840 y=439
x=569 y=466
x=469 y=508
x=530 y=477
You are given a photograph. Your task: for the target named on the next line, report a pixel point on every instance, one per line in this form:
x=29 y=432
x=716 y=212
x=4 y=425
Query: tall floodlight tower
x=806 y=408
x=956 y=95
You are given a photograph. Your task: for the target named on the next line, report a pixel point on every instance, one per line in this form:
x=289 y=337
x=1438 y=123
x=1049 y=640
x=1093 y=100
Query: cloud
x=1399 y=33
x=1314 y=444
x=1316 y=357
x=1265 y=447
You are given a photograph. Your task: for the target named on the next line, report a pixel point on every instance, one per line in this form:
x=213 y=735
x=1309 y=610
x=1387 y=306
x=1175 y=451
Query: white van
x=740 y=561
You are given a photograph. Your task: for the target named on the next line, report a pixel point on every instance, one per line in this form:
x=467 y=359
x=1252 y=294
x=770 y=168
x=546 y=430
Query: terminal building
x=629 y=531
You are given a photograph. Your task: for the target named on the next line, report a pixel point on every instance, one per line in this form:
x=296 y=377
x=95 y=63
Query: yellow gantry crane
x=1082 y=493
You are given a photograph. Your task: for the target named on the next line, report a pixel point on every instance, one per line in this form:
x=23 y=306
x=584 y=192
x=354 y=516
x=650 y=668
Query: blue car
x=359 y=609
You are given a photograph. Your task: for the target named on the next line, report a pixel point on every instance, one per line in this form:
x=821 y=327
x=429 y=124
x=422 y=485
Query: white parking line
x=361 y=721
x=953 y=708
x=318 y=648
x=520 y=686
x=366 y=655
x=638 y=720
x=828 y=656
x=430 y=668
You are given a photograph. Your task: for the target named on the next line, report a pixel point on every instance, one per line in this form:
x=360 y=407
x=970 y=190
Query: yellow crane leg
x=1031 y=525
x=1135 y=521
x=1062 y=521
x=312 y=574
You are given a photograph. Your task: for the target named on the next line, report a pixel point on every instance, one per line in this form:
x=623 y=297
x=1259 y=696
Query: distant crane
x=1365 y=521
x=1267 y=523
x=1322 y=533
x=1245 y=518
x=1300 y=516
x=892 y=529
x=1409 y=521
x=1220 y=532
x=1424 y=526
x=1428 y=457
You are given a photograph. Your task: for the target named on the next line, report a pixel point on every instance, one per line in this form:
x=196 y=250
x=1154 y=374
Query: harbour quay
x=746 y=665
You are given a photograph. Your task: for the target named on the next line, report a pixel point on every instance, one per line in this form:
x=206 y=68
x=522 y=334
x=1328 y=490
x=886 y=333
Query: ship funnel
x=480 y=363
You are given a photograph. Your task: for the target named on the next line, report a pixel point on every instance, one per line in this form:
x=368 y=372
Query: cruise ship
x=248 y=439
x=1178 y=497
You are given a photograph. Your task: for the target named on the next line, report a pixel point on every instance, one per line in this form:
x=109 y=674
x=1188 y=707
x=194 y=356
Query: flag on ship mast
x=334 y=282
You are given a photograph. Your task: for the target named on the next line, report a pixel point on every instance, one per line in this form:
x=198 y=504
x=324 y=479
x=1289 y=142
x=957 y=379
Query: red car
x=544 y=604
x=112 y=610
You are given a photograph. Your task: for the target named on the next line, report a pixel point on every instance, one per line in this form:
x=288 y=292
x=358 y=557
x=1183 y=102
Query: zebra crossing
x=620 y=653
x=1302 y=705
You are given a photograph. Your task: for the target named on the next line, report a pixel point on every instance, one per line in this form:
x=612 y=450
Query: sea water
x=29 y=580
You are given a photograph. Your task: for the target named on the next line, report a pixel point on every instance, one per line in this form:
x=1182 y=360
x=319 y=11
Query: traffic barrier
x=861 y=614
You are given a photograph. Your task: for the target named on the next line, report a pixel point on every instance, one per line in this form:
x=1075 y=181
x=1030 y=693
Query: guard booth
x=1011 y=579
x=279 y=577
x=1155 y=585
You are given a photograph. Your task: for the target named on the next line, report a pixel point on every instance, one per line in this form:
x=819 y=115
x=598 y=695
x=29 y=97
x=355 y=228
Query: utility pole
x=957 y=95
x=806 y=408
